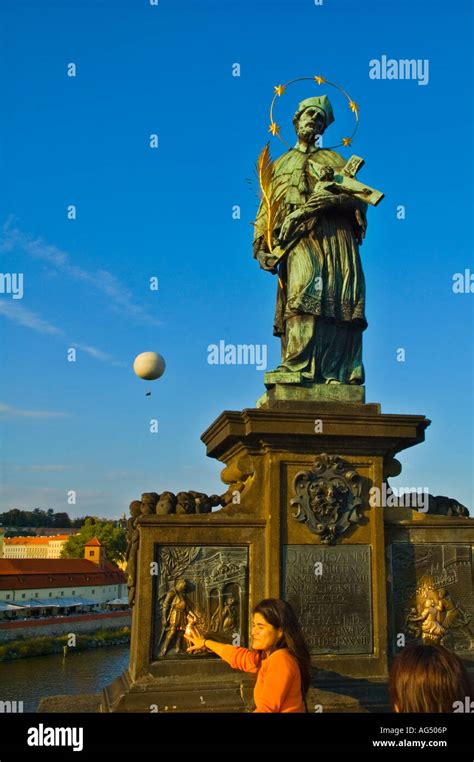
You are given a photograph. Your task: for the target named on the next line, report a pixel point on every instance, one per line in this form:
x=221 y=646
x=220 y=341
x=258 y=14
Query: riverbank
x=81 y=673
x=51 y=644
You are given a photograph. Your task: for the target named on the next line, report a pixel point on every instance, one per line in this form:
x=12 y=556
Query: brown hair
x=280 y=614
x=427 y=678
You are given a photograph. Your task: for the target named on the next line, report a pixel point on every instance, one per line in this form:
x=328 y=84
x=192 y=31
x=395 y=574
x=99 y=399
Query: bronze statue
x=313 y=245
x=438 y=618
x=432 y=631
x=229 y=614
x=177 y=614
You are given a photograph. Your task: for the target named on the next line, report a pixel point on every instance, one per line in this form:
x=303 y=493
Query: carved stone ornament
x=327 y=498
x=192 y=503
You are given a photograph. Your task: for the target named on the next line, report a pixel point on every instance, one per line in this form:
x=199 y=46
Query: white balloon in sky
x=149 y=365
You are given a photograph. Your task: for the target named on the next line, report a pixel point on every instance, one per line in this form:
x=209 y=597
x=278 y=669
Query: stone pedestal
x=257 y=547
x=278 y=394
x=338 y=588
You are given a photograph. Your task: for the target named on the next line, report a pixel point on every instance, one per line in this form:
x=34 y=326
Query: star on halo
x=354 y=107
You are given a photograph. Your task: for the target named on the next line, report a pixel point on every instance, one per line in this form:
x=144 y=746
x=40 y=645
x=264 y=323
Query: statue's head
x=312 y=117
x=180 y=585
x=135 y=508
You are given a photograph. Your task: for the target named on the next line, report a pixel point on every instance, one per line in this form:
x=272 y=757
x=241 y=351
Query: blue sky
x=167 y=212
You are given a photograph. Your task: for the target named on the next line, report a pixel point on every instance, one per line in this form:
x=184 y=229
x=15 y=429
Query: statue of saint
x=320 y=306
x=176 y=615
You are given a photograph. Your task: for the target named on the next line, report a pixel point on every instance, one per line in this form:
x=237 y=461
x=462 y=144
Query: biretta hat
x=319 y=102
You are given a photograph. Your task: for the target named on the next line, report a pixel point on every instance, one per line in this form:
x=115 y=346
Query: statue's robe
x=320 y=306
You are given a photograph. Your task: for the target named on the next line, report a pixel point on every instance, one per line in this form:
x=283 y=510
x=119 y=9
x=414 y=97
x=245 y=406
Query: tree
x=112 y=537
x=61 y=520
x=81 y=520
x=35 y=518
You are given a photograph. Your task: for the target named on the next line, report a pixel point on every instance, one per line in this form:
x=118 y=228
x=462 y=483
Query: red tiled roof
x=24 y=573
x=94 y=541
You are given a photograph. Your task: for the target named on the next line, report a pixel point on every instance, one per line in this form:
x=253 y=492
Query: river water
x=29 y=680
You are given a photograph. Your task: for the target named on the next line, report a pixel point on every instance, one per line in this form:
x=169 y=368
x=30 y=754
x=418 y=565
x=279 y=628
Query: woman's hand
x=194 y=636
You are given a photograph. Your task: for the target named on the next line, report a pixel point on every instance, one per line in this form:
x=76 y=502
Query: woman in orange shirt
x=279 y=656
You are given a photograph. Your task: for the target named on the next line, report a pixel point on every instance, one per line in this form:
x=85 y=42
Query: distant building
x=33 y=547
x=36 y=587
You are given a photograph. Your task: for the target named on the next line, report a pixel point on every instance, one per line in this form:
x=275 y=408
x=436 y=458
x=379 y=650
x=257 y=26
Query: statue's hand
x=267 y=261
x=291 y=222
x=322 y=199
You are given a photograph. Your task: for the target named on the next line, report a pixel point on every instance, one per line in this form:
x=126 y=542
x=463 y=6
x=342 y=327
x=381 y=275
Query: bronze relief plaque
x=433 y=595
x=205 y=586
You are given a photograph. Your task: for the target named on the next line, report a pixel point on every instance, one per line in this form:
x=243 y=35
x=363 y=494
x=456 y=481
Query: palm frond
x=265 y=173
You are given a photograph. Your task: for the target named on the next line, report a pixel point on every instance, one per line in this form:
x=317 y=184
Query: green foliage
x=40 y=518
x=49 y=644
x=111 y=536
x=35 y=518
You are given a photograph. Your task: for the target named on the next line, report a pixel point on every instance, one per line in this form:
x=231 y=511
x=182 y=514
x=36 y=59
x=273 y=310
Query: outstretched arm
x=237 y=656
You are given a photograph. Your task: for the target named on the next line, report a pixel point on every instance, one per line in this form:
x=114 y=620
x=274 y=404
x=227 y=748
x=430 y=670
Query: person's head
x=135 y=508
x=427 y=678
x=265 y=635
x=275 y=626
x=313 y=116
x=310 y=123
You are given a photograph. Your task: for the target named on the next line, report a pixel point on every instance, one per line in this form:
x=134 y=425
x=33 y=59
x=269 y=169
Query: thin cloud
x=16 y=412
x=98 y=354
x=21 y=315
x=43 y=468
x=102 y=281
x=17 y=313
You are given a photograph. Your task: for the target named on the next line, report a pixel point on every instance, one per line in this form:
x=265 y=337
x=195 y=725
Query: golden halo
x=280 y=89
